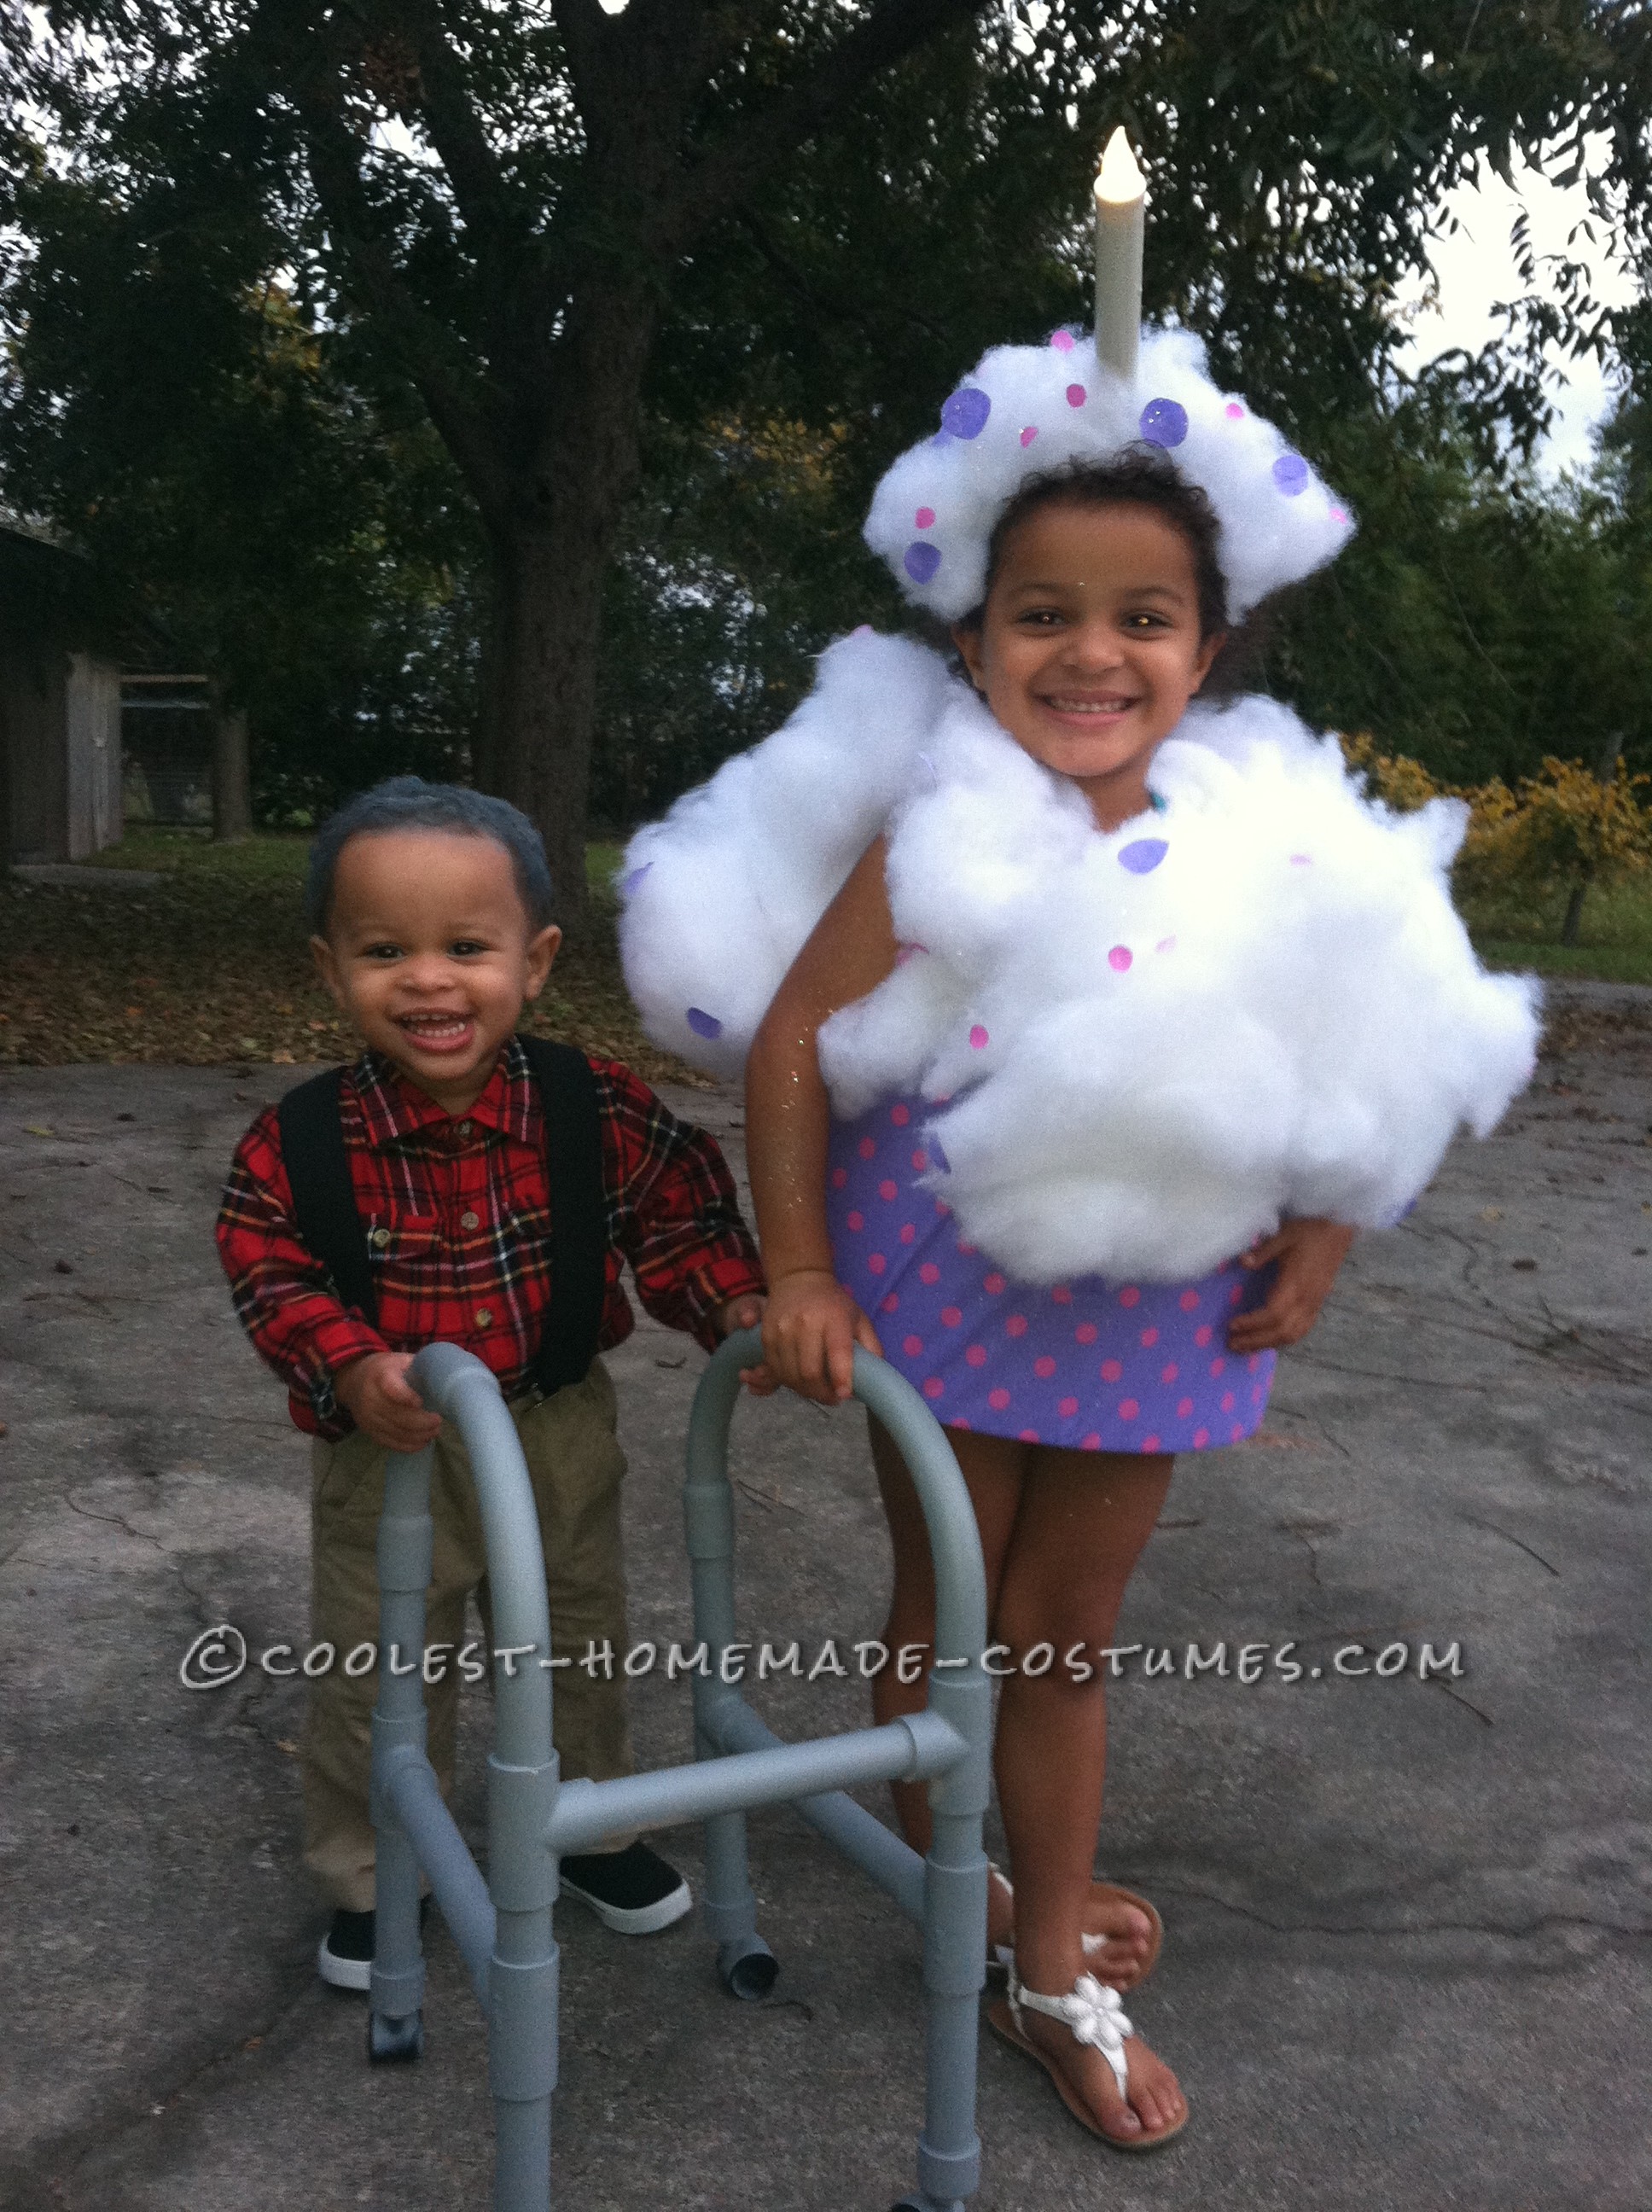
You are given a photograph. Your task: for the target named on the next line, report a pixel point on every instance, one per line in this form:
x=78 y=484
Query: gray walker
x=503 y=1925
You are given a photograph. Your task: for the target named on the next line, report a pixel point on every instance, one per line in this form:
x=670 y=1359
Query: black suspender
x=326 y=1216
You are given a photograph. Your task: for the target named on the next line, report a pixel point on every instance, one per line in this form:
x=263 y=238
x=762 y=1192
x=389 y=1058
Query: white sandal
x=1094 y=2014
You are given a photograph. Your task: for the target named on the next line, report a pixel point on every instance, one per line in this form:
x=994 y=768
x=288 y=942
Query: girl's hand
x=810 y=1329
x=746 y=1313
x=379 y=1398
x=1309 y=1252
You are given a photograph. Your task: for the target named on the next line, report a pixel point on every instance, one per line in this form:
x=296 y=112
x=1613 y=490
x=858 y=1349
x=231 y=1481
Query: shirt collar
x=394 y=1111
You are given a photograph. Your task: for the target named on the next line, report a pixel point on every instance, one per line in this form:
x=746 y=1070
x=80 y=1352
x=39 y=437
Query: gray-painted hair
x=407 y=802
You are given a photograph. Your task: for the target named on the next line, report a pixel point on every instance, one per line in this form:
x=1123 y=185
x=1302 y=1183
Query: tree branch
x=722 y=180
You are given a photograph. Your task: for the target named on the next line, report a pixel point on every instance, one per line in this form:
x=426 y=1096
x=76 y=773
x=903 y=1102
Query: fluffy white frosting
x=1026 y=409
x=1142 y=1048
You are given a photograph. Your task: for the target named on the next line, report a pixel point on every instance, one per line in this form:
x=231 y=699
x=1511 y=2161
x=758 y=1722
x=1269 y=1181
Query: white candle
x=1120 y=210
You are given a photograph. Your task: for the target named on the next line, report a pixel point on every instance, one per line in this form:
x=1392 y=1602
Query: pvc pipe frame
x=503 y=1927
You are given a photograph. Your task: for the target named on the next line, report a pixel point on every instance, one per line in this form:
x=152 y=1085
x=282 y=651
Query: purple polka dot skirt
x=1092 y=1365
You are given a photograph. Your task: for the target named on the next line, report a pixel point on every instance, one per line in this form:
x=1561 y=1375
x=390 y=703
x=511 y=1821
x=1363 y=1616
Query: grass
x=212 y=967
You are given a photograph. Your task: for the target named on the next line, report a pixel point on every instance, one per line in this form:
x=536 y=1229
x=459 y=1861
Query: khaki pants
x=576 y=1467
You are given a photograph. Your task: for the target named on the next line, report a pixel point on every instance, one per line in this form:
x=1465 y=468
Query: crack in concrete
x=1514 y=1931
x=1491 y=1528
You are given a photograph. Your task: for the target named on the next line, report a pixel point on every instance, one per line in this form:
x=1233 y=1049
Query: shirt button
x=381 y=1237
x=464 y=1128
x=469 y=1221
x=484 y=1316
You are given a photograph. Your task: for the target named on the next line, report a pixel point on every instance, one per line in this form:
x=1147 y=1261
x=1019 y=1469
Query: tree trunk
x=551 y=554
x=232 y=778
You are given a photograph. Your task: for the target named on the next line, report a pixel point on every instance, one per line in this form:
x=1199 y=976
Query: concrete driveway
x=1407 y=1964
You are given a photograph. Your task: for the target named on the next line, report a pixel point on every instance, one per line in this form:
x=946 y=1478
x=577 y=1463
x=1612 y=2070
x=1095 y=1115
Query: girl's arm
x=811 y=1324
x=1309 y=1252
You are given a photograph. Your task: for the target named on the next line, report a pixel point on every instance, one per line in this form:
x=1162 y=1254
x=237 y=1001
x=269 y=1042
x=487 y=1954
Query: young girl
x=1083 y=1033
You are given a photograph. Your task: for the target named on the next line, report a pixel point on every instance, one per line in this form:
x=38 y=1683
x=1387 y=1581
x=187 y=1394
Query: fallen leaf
x=1490 y=1214
x=38 y=1129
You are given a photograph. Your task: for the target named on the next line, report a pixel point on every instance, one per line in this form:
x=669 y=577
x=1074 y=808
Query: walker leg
x=746 y=1964
x=395 y=2030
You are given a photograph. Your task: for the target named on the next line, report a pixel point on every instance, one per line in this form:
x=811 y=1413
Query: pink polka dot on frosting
x=1062 y=341
x=951 y=1315
x=1016 y=1325
x=1030 y=433
x=998 y=1399
x=1043 y=1367
x=976 y=1355
x=1085 y=1332
x=901 y=1116
x=867 y=1147
x=1130 y=1296
x=933 y=1387
x=978 y=1038
x=1068 y=1408
x=1076 y=395
x=1339 y=514
x=1233 y=410
x=1165 y=944
x=1188 y=1301
x=1128 y=1409
x=929 y=1272
x=994 y=1284
x=855 y=1221
x=1118 y=958
x=876 y=1262
x=1111 y=1370
x=925 y=518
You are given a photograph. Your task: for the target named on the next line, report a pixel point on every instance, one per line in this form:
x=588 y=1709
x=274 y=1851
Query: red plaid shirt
x=458 y=1226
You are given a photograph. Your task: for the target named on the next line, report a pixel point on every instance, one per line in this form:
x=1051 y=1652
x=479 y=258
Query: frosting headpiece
x=1027 y=411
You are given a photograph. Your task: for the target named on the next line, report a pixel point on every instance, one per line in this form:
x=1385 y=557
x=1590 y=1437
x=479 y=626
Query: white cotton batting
x=1028 y=410
x=1142 y=1048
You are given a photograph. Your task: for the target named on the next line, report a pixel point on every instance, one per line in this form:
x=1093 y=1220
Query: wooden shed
x=60 y=783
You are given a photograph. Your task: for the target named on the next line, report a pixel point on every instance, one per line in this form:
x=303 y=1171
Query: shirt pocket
x=404 y=1254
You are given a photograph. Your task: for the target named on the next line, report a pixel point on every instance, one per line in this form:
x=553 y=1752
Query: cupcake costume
x=1104 y=1063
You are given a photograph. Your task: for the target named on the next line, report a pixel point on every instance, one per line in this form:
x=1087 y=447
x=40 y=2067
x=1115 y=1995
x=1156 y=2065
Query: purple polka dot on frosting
x=1163 y=422
x=1119 y=957
x=1144 y=855
x=704 y=1024
x=925 y=518
x=1076 y=395
x=922 y=561
x=1030 y=433
x=1291 y=474
x=629 y=884
x=966 y=412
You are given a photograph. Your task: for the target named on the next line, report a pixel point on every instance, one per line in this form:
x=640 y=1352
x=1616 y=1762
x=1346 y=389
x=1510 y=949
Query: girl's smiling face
x=1090 y=647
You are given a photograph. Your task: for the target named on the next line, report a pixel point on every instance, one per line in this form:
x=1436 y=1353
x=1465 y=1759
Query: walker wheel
x=390 y=2041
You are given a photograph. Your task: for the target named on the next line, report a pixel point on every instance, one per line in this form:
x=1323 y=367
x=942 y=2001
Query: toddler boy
x=461 y=1182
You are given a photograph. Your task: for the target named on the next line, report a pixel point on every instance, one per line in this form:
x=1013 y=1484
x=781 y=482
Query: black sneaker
x=633 y=1891
x=345 y=1958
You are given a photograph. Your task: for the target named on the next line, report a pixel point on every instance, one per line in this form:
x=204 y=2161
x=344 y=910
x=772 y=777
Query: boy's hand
x=379 y=1398
x=1309 y=1252
x=810 y=1328
x=747 y=1313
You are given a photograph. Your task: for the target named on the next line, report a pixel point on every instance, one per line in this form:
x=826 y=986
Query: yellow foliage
x=1560 y=827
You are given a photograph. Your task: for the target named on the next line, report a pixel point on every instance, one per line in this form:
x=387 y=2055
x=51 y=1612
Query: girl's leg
x=1084 y=1519
x=995 y=1470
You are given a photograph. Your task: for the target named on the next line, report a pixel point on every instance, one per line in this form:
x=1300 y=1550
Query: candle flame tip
x=1120 y=178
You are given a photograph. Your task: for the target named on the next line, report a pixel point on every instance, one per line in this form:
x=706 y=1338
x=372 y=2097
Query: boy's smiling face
x=432 y=955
